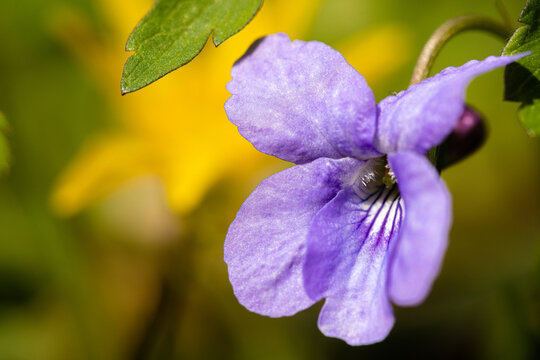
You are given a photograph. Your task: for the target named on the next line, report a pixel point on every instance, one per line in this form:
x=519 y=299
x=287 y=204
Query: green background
x=66 y=285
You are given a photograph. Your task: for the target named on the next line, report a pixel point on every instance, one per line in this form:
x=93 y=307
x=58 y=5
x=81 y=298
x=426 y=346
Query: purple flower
x=362 y=220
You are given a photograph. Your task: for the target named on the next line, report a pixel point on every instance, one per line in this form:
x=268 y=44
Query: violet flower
x=362 y=220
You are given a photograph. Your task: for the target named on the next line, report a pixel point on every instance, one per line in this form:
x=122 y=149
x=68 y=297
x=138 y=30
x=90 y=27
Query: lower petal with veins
x=346 y=263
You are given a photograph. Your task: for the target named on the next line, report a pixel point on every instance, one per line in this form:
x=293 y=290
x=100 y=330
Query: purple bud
x=468 y=136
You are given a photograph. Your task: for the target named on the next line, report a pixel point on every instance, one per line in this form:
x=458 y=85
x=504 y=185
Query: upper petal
x=300 y=101
x=346 y=263
x=265 y=245
x=423 y=115
x=423 y=237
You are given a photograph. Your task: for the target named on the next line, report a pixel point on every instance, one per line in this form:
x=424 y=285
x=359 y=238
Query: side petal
x=300 y=101
x=423 y=115
x=266 y=243
x=346 y=263
x=423 y=238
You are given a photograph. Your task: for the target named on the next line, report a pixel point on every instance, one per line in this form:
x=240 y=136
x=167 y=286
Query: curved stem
x=447 y=31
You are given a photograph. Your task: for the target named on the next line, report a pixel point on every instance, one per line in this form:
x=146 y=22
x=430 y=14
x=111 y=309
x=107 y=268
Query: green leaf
x=530 y=115
x=4 y=150
x=175 y=31
x=522 y=77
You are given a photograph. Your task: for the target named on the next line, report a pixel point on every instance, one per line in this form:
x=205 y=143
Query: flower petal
x=423 y=115
x=346 y=262
x=420 y=248
x=300 y=101
x=265 y=245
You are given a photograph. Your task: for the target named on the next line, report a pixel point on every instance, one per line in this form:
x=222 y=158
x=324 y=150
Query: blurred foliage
x=523 y=78
x=127 y=278
x=4 y=149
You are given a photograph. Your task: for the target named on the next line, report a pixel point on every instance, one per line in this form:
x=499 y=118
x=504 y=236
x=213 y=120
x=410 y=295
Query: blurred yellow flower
x=176 y=128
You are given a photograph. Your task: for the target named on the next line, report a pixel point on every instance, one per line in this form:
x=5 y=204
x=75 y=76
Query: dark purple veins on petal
x=346 y=262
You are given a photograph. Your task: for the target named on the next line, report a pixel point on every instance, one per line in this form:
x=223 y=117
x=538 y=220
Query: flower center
x=376 y=173
x=389 y=178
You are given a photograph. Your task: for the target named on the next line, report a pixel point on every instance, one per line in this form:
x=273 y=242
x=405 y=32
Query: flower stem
x=447 y=31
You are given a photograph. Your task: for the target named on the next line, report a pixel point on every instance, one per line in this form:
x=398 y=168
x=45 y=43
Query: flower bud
x=468 y=136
